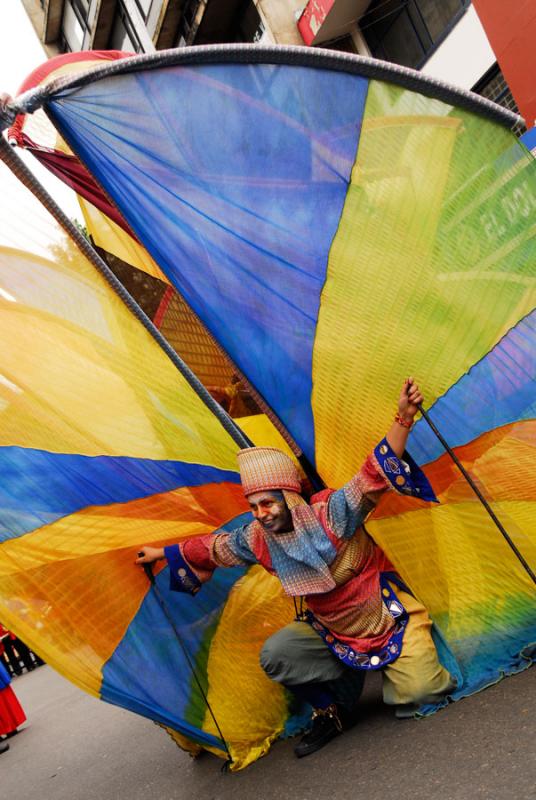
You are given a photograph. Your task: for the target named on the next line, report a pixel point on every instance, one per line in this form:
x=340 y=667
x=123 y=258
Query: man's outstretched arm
x=192 y=562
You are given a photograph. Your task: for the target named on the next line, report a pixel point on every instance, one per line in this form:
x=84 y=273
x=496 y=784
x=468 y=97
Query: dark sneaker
x=326 y=726
x=4 y=747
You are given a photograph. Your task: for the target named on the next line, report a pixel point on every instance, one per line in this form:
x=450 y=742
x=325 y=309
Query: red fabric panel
x=69 y=170
x=45 y=70
x=164 y=303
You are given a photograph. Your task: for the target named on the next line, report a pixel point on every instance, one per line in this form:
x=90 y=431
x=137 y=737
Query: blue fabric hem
x=404 y=475
x=117 y=698
x=181 y=577
x=460 y=692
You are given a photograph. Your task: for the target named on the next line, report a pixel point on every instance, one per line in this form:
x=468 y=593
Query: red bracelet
x=403 y=422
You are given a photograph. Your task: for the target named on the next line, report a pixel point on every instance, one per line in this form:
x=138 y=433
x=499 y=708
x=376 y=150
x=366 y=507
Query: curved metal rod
x=280 y=54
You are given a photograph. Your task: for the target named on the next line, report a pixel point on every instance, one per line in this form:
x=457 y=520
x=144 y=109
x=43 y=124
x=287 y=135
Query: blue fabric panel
x=148 y=672
x=38 y=487
x=234 y=177
x=497 y=391
x=484 y=660
x=529 y=139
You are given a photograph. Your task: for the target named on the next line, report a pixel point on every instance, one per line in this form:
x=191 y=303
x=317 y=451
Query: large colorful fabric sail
x=105 y=447
x=335 y=233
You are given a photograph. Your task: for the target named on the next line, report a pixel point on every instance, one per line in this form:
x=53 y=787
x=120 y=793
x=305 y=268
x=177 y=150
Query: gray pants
x=296 y=655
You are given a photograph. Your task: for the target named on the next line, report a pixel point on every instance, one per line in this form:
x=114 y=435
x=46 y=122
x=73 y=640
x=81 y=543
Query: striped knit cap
x=265 y=468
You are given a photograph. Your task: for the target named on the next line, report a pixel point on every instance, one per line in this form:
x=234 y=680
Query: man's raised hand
x=409 y=400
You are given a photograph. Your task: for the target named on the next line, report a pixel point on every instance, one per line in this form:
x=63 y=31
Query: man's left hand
x=409 y=400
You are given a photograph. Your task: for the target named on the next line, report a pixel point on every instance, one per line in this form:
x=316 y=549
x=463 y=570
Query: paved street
x=77 y=748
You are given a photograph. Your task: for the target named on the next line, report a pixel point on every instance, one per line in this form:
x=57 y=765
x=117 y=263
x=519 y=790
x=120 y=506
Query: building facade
x=443 y=38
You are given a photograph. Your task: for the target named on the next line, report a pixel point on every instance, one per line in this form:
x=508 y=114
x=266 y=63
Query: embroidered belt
x=376 y=659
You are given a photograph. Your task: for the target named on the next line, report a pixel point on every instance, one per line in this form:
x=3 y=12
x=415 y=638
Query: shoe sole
x=315 y=747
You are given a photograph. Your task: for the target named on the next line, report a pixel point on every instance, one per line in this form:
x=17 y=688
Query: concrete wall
x=465 y=55
x=36 y=16
x=279 y=18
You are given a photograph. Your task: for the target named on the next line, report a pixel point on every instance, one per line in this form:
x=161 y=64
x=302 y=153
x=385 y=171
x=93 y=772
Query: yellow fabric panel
x=253 y=710
x=394 y=303
x=474 y=569
x=263 y=433
x=185 y=744
x=113 y=239
x=83 y=603
x=76 y=577
x=85 y=377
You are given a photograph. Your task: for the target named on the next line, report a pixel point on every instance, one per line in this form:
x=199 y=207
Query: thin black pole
x=21 y=171
x=147 y=568
x=478 y=493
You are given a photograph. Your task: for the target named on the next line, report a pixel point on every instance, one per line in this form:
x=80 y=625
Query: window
x=144 y=7
x=63 y=44
x=187 y=29
x=344 y=44
x=81 y=9
x=249 y=24
x=437 y=16
x=220 y=21
x=407 y=31
x=73 y=25
x=123 y=36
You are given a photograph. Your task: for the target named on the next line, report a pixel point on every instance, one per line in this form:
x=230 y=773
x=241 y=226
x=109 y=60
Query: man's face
x=271 y=511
